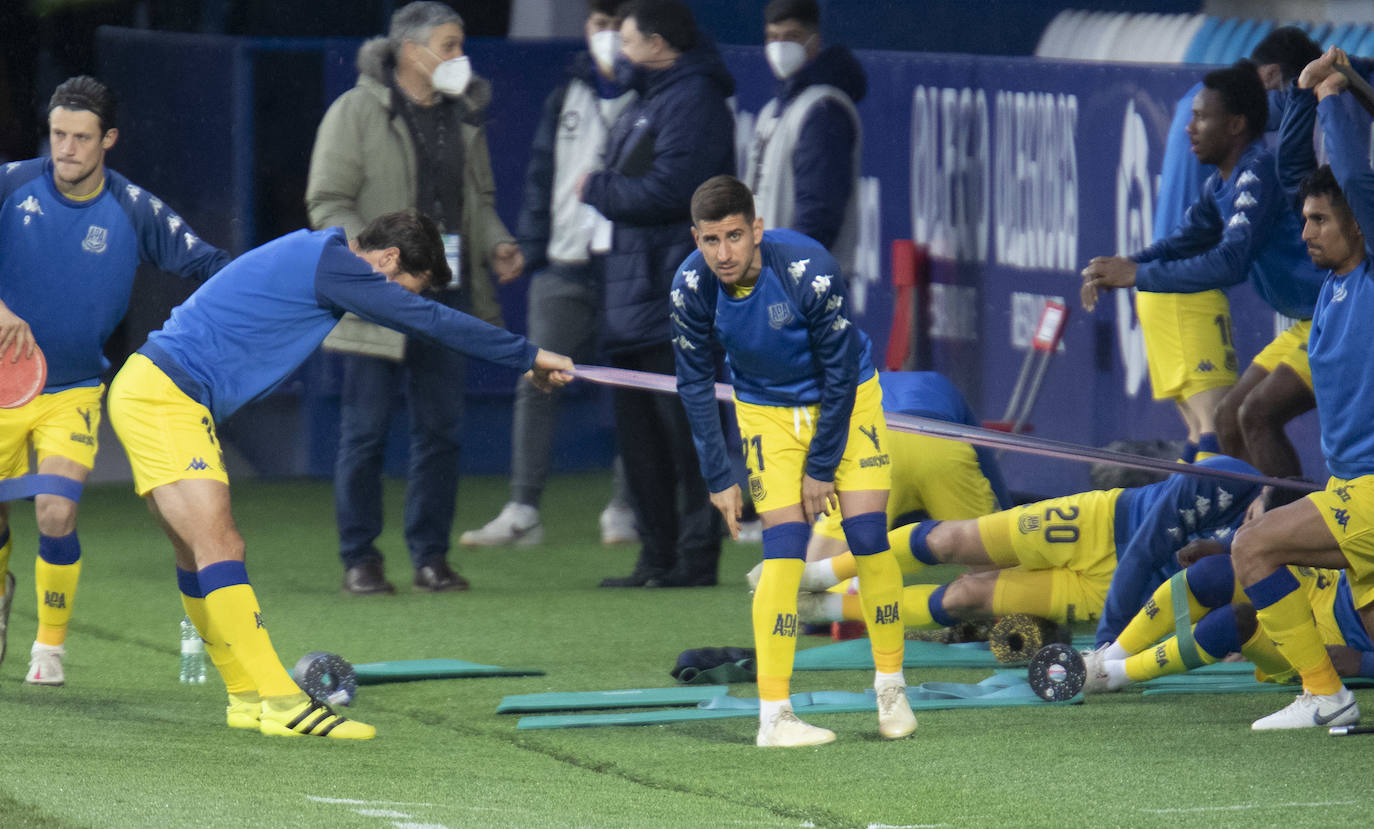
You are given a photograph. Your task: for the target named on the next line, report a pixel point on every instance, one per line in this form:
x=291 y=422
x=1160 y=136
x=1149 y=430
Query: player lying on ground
x=944 y=479
x=810 y=416
x=1094 y=555
x=1221 y=621
x=233 y=342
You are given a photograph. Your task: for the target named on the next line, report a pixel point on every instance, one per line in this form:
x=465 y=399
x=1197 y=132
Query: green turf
x=123 y=744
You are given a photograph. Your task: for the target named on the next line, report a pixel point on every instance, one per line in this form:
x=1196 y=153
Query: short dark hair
x=1322 y=182
x=805 y=12
x=668 y=19
x=1242 y=93
x=610 y=7
x=720 y=197
x=1290 y=48
x=86 y=93
x=417 y=237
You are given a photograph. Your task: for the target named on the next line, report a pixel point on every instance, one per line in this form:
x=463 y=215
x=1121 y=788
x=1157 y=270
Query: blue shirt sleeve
x=1345 y=131
x=165 y=241
x=346 y=282
x=692 y=315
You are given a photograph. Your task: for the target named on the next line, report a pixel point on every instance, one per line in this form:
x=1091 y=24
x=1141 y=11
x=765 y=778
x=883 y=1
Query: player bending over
x=1221 y=621
x=1094 y=555
x=810 y=416
x=945 y=479
x=233 y=342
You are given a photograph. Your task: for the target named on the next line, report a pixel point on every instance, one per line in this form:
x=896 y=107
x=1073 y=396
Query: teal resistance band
x=1183 y=622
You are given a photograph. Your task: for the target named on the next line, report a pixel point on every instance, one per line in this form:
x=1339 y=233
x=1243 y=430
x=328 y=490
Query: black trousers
x=680 y=530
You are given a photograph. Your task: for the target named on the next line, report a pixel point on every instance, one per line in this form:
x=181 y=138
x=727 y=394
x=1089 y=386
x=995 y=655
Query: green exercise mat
x=998 y=690
x=1194 y=682
x=857 y=654
x=628 y=698
x=408 y=670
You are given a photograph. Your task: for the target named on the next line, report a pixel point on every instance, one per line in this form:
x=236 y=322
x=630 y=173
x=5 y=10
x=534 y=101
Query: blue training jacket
x=67 y=267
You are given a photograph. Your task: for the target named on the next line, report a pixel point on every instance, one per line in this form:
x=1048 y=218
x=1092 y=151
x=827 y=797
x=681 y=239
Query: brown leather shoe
x=367 y=579
x=439 y=578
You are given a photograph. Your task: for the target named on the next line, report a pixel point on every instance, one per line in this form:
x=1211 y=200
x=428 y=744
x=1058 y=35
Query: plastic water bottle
x=192 y=654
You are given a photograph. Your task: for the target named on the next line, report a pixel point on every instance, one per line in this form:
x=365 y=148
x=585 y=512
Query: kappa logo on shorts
x=1028 y=523
x=257 y=619
x=1341 y=517
x=197 y=465
x=1206 y=365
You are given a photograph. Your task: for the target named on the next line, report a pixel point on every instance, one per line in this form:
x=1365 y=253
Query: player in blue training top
x=1091 y=556
x=942 y=479
x=810 y=416
x=233 y=342
x=1242 y=224
x=1335 y=528
x=72 y=234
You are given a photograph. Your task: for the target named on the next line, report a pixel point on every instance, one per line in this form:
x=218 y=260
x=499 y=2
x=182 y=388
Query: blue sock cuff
x=1217 y=633
x=1189 y=453
x=1212 y=581
x=189 y=583
x=919 y=549
x=936 y=606
x=1208 y=443
x=866 y=533
x=64 y=550
x=786 y=540
x=1271 y=588
x=221 y=574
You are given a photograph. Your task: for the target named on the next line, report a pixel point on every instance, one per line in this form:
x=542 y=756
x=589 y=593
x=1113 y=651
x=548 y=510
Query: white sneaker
x=517 y=524
x=895 y=719
x=45 y=665
x=6 y=601
x=617 y=524
x=1313 y=710
x=750 y=532
x=1097 y=678
x=786 y=730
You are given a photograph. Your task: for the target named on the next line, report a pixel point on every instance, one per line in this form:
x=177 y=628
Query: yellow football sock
x=233 y=612
x=775 y=625
x=55 y=585
x=1156 y=619
x=1290 y=625
x=1259 y=649
x=1162 y=660
x=900 y=542
x=843 y=565
x=237 y=681
x=916 y=607
x=880 y=593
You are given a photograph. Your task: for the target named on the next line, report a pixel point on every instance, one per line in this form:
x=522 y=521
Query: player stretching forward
x=1220 y=621
x=72 y=234
x=233 y=342
x=1065 y=559
x=810 y=415
x=1333 y=528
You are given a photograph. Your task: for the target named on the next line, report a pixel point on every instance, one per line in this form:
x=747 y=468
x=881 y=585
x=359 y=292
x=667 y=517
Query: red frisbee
x=21 y=380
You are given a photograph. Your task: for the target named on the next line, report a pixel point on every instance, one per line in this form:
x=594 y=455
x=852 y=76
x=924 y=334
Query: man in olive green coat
x=409 y=134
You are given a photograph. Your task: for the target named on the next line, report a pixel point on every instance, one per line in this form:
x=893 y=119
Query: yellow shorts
x=1348 y=509
x=777 y=439
x=63 y=424
x=1060 y=555
x=1188 y=343
x=1289 y=349
x=168 y=436
x=939 y=476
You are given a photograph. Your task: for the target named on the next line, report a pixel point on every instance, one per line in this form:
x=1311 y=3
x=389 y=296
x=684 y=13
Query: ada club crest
x=779 y=314
x=95 y=239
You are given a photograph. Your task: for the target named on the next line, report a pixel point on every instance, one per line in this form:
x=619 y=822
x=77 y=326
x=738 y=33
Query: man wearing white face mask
x=409 y=135
x=558 y=235
x=804 y=162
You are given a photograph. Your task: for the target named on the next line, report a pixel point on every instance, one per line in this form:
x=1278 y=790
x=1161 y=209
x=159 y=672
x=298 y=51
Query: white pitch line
x=907 y=825
x=381 y=813
x=1245 y=806
x=345 y=801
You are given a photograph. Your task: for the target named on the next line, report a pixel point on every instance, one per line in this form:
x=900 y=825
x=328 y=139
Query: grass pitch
x=124 y=744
